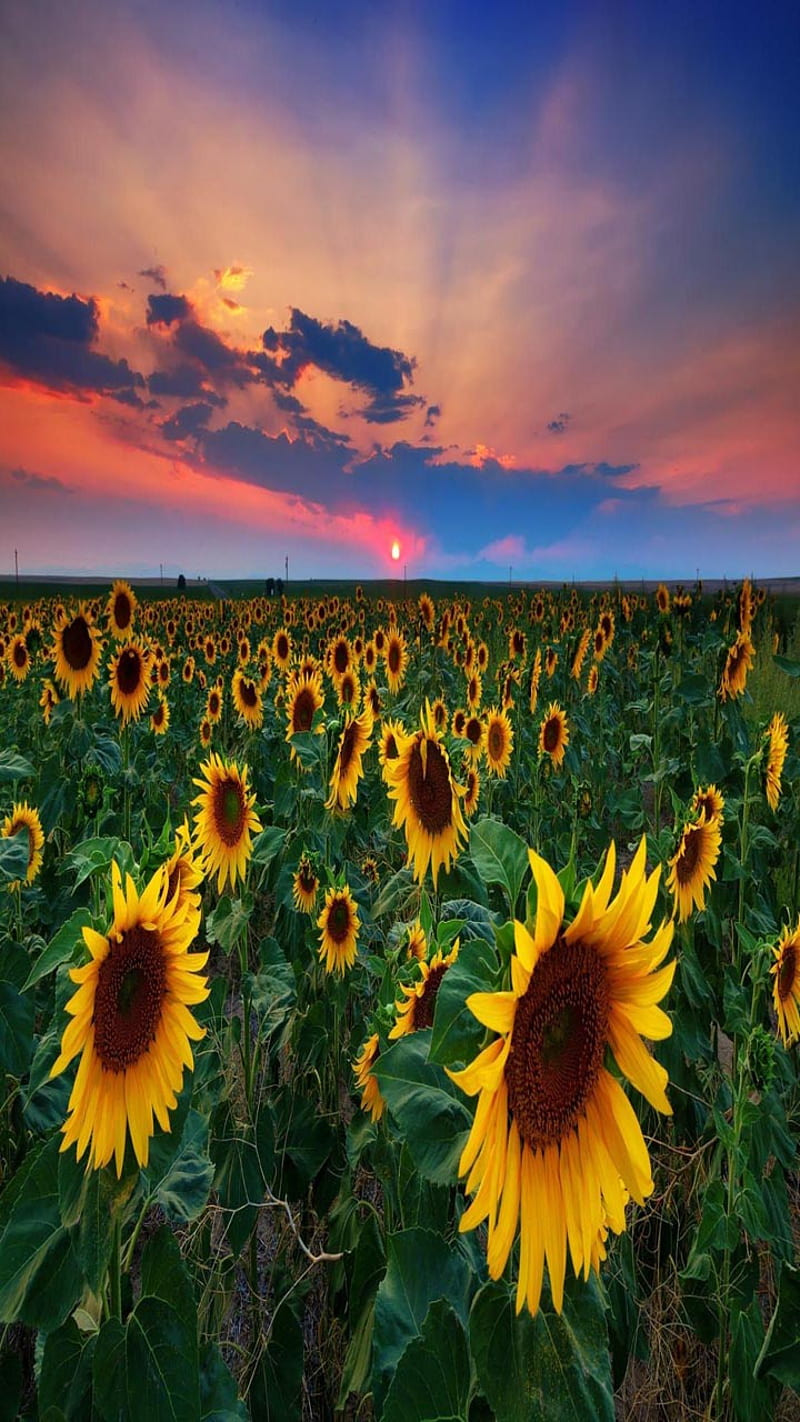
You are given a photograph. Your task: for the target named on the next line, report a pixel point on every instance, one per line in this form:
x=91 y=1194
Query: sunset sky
x=511 y=285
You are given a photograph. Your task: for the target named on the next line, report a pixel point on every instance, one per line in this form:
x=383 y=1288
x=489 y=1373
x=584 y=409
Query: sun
x=395 y=550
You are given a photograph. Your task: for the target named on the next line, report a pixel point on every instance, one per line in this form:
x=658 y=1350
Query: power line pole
x=16 y=565
x=287 y=567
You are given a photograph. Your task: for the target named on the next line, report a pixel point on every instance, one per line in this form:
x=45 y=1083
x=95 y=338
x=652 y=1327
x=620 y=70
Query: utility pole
x=16 y=565
x=287 y=568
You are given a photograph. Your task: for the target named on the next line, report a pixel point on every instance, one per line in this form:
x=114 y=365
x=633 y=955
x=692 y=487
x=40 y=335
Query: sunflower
x=129 y=681
x=159 y=721
x=474 y=691
x=427 y=804
x=214 y=704
x=499 y=742
x=339 y=924
x=416 y=942
x=338 y=658
x=550 y=661
x=187 y=672
x=372 y=699
x=416 y=1012
x=304 y=886
x=184 y=870
x=473 y=791
x=554 y=734
x=348 y=689
x=224 y=820
x=737 y=664
x=555 y=1146
x=396 y=655
x=691 y=868
x=76 y=650
x=25 y=818
x=533 y=687
x=393 y=733
x=348 y=767
x=131 y=1023
x=18 y=658
x=711 y=800
x=662 y=598
x=474 y=733
x=778 y=733
x=282 y=648
x=48 y=699
x=247 y=700
x=593 y=679
x=206 y=733
x=304 y=699
x=120 y=610
x=440 y=715
x=786 y=991
x=580 y=654
x=369 y=868
x=371 y=1099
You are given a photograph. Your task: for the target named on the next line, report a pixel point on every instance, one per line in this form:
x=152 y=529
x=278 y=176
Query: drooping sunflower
x=304 y=699
x=24 y=819
x=396 y=660
x=414 y=1011
x=76 y=650
x=184 y=869
x=593 y=679
x=48 y=700
x=786 y=988
x=710 y=799
x=533 y=687
x=738 y=662
x=131 y=1023
x=417 y=942
x=778 y=734
x=691 y=868
x=393 y=733
x=554 y=734
x=247 y=700
x=499 y=742
x=159 y=721
x=305 y=884
x=580 y=654
x=427 y=802
x=225 y=820
x=550 y=661
x=214 y=704
x=348 y=767
x=120 y=610
x=371 y=1099
x=662 y=598
x=18 y=657
x=474 y=734
x=555 y=1147
x=206 y=733
x=338 y=924
x=369 y=868
x=129 y=681
x=473 y=791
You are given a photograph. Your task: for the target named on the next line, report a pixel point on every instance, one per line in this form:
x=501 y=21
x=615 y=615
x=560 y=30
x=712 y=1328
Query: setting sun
x=395 y=550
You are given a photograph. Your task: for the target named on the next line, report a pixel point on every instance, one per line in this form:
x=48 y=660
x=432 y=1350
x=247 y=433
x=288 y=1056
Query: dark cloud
x=129 y=397
x=47 y=338
x=431 y=415
x=307 y=467
x=209 y=350
x=343 y=352
x=36 y=481
x=184 y=381
x=559 y=424
x=189 y=420
x=155 y=274
x=165 y=310
x=289 y=403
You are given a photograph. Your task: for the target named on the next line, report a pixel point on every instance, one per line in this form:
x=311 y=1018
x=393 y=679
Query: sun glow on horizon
x=395 y=550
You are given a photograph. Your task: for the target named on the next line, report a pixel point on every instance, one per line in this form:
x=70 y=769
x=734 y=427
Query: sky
x=514 y=288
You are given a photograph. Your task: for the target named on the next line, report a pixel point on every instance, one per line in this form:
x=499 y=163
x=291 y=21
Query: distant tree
x=279 y=586
x=181 y=583
x=270 y=586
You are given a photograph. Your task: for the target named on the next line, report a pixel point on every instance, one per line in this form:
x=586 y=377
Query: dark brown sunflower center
x=159 y=714
x=394 y=657
x=348 y=747
x=230 y=811
x=307 y=879
x=283 y=647
x=787 y=972
x=20 y=654
x=129 y=671
x=348 y=690
x=341 y=657
x=122 y=610
x=558 y=1043
x=690 y=854
x=339 y=920
x=213 y=703
x=390 y=748
x=552 y=734
x=76 y=644
x=131 y=986
x=429 y=787
x=303 y=711
x=497 y=741
x=473 y=730
x=248 y=694
x=425 y=1004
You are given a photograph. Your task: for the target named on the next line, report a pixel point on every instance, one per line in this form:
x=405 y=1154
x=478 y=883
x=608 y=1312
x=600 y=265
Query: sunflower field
x=400 y=1006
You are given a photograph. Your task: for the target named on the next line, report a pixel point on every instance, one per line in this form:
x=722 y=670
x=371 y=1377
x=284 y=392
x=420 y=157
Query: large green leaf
x=237 y=1175
x=430 y=1112
x=275 y=1394
x=40 y=1279
x=431 y=1383
x=183 y=1188
x=61 y=948
x=547 y=1366
x=267 y=844
x=219 y=1398
x=421 y=1268
x=228 y=921
x=16 y=1030
x=164 y=1277
x=457 y=1035
x=13 y=858
x=65 y=1380
x=500 y=857
x=147 y=1371
x=780 y=1354
x=13 y=767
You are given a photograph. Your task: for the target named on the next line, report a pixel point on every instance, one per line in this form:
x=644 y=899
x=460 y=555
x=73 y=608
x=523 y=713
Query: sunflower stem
x=115 y=1269
x=20 y=925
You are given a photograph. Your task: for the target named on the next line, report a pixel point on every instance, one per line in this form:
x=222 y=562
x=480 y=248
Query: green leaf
x=429 y=1110
x=787 y=665
x=237 y=1177
x=104 y=1196
x=228 y=922
x=547 y=1366
x=10 y=1386
x=432 y=1378
x=267 y=844
x=780 y=1354
x=147 y=1371
x=61 y=948
x=93 y=856
x=13 y=858
x=65 y=1380
x=457 y=1034
x=16 y=1030
x=421 y=1268
x=499 y=856
x=305 y=1140
x=219 y=1398
x=275 y=1393
x=476 y=921
x=695 y=689
x=14 y=767
x=40 y=1280
x=395 y=895
x=164 y=1277
x=752 y=1397
x=183 y=1188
